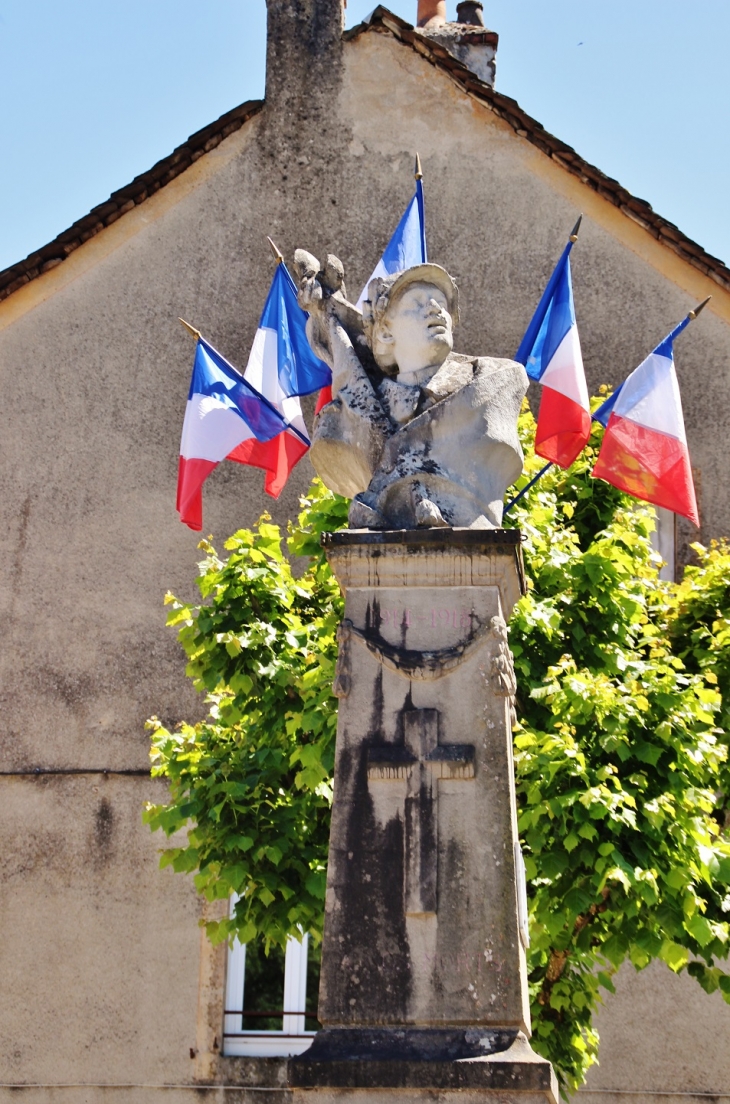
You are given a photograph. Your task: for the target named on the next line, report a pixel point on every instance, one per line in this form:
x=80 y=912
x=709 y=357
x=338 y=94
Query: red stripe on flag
x=277 y=457
x=324 y=397
x=191 y=475
x=648 y=465
x=563 y=428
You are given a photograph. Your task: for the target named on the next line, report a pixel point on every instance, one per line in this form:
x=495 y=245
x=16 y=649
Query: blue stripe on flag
x=605 y=410
x=551 y=321
x=214 y=376
x=407 y=247
x=300 y=371
x=664 y=349
x=408 y=244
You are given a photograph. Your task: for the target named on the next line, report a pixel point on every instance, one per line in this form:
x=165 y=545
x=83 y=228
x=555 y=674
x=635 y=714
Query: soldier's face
x=420 y=328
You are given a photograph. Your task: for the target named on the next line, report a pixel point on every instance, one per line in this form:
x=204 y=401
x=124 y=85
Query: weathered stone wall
x=100 y=951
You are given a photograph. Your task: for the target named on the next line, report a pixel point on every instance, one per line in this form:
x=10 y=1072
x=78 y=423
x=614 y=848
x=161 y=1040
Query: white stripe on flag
x=565 y=373
x=211 y=429
x=262 y=372
x=650 y=397
x=293 y=414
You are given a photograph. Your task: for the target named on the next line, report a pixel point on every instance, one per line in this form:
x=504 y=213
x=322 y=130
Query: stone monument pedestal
x=423 y=991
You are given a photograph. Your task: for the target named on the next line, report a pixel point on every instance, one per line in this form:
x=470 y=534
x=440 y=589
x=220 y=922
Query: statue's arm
x=345 y=363
x=333 y=321
x=350 y=432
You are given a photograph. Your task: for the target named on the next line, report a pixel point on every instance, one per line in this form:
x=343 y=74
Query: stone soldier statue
x=423 y=985
x=417 y=435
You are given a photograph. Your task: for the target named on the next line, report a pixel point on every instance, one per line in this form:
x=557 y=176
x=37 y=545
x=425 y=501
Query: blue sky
x=94 y=93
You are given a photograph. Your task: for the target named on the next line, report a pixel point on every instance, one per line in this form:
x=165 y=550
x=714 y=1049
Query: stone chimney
x=467 y=39
x=431 y=13
x=470 y=13
x=303 y=51
x=304 y=72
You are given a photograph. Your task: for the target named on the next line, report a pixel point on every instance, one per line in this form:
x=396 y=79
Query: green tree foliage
x=621 y=755
x=253 y=782
x=621 y=746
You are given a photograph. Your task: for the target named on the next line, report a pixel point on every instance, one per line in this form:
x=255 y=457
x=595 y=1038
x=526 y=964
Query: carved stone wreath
x=427 y=665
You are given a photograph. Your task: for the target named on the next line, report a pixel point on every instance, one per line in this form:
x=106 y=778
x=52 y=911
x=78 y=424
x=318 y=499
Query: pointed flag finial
x=277 y=253
x=191 y=329
x=576 y=228
x=698 y=309
x=418 y=171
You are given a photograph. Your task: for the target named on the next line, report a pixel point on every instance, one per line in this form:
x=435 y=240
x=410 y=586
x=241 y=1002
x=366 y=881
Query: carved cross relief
x=420 y=762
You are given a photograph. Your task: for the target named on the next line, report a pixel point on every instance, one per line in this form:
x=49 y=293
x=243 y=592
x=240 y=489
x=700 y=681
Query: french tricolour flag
x=256 y=418
x=406 y=248
x=281 y=367
x=644 y=450
x=550 y=351
x=224 y=412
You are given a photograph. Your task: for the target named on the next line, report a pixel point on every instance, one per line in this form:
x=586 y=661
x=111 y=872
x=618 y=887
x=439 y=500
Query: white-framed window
x=271 y=1001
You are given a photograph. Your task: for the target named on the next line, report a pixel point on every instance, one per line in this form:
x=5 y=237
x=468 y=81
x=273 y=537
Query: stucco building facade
x=108 y=990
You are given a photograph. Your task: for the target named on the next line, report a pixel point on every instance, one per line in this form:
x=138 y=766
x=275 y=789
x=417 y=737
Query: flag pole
x=574 y=232
x=526 y=488
x=277 y=252
x=698 y=309
x=418 y=173
x=191 y=329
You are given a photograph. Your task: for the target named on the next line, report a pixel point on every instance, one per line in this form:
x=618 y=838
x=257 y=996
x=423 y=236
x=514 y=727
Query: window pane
x=314 y=960
x=263 y=990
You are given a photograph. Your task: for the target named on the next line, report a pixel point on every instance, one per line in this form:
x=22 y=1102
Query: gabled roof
x=384 y=22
